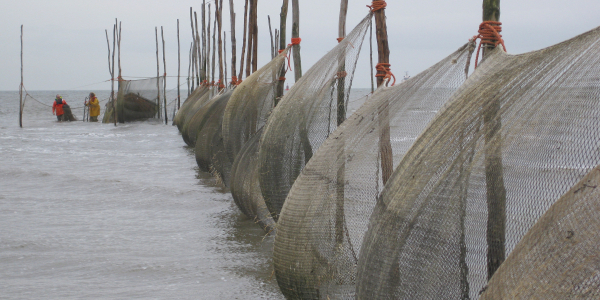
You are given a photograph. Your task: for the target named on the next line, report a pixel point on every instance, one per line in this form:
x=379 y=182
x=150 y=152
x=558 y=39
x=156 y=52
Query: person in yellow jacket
x=94 y=106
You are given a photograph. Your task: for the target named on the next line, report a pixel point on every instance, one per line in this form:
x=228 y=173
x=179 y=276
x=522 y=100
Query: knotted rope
x=489 y=34
x=387 y=72
x=377 y=5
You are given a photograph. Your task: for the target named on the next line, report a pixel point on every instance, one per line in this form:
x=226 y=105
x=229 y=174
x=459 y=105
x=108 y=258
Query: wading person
x=57 y=107
x=94 y=106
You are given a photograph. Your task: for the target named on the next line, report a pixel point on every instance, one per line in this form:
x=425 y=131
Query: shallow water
x=90 y=210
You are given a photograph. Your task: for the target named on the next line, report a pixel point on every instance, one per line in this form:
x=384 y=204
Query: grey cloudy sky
x=65 y=44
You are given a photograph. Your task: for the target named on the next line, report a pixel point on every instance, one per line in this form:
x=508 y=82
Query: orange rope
x=489 y=33
x=281 y=78
x=340 y=39
x=377 y=5
x=385 y=68
x=295 y=41
x=235 y=81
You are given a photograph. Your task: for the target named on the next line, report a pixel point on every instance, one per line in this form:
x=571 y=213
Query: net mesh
x=136 y=100
x=245 y=188
x=306 y=116
x=558 y=257
x=184 y=111
x=519 y=133
x=209 y=149
x=194 y=115
x=321 y=226
x=250 y=105
x=244 y=116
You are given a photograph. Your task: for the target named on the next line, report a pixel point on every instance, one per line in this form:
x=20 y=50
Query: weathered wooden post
x=282 y=45
x=296 y=40
x=494 y=178
x=21 y=85
x=178 y=68
x=165 y=75
x=341 y=116
x=119 y=78
x=233 y=46
x=383 y=53
x=112 y=93
x=157 y=74
x=242 y=56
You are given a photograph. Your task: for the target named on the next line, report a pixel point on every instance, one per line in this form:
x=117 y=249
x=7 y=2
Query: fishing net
x=306 y=115
x=210 y=150
x=136 y=100
x=250 y=105
x=323 y=220
x=519 y=133
x=245 y=187
x=189 y=124
x=197 y=121
x=188 y=106
x=558 y=257
x=245 y=115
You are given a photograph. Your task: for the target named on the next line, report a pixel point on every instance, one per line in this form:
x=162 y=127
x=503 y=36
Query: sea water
x=98 y=211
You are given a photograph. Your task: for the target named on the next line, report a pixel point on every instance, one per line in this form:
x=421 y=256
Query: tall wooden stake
x=233 y=46
x=208 y=48
x=273 y=50
x=157 y=73
x=296 y=34
x=341 y=116
x=494 y=174
x=219 y=10
x=204 y=53
x=189 y=71
x=255 y=36
x=21 y=85
x=383 y=53
x=282 y=44
x=178 y=68
x=119 y=65
x=242 y=56
x=250 y=37
x=113 y=75
x=165 y=75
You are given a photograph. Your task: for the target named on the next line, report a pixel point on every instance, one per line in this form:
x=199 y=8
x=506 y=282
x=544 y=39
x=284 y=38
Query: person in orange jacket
x=94 y=106
x=57 y=107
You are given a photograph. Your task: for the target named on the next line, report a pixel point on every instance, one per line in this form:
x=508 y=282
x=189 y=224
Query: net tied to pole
x=377 y=5
x=489 y=34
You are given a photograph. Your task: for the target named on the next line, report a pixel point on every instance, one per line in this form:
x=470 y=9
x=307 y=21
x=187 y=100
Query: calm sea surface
x=94 y=211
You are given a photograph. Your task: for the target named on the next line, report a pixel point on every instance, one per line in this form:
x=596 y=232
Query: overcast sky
x=65 y=44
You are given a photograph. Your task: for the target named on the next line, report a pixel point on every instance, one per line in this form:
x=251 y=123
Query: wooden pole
x=113 y=75
x=296 y=34
x=213 y=67
x=273 y=51
x=199 y=50
x=208 y=48
x=165 y=75
x=219 y=10
x=250 y=37
x=119 y=64
x=21 y=85
x=178 y=68
x=233 y=46
x=255 y=36
x=189 y=71
x=494 y=173
x=204 y=54
x=243 y=41
x=341 y=116
x=193 y=50
x=225 y=59
x=282 y=31
x=157 y=73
